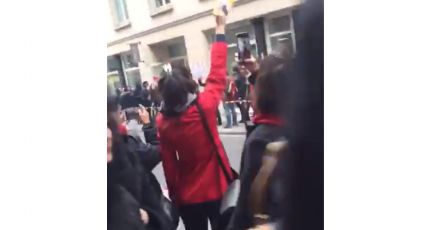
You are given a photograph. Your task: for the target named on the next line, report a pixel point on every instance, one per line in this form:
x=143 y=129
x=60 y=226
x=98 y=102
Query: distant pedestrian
x=242 y=84
x=230 y=96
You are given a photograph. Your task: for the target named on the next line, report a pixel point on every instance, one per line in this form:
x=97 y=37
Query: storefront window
x=176 y=50
x=281 y=36
x=280 y=24
x=113 y=83
x=133 y=78
x=231 y=40
x=128 y=61
x=282 y=44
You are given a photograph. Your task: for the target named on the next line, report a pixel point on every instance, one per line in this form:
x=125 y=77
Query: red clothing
x=231 y=93
x=122 y=129
x=191 y=168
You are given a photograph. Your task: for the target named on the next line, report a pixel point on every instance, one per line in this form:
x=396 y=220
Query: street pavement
x=233 y=140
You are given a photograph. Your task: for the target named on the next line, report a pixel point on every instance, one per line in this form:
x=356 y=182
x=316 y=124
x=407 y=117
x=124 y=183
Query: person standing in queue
x=230 y=96
x=195 y=181
x=242 y=85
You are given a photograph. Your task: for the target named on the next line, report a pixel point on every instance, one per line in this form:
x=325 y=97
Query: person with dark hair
x=230 y=96
x=124 y=193
x=242 y=85
x=195 y=179
x=128 y=100
x=130 y=170
x=138 y=90
x=303 y=208
x=268 y=128
x=145 y=92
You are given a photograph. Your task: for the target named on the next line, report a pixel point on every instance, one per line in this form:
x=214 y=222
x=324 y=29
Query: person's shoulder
x=265 y=133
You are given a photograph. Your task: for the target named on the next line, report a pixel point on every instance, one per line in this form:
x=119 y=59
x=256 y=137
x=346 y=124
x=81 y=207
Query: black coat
x=250 y=165
x=123 y=210
x=128 y=100
x=147 y=153
x=242 y=86
x=140 y=183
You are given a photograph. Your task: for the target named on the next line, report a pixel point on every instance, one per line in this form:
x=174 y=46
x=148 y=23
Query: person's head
x=145 y=84
x=132 y=114
x=176 y=88
x=268 y=88
x=235 y=69
x=138 y=86
x=114 y=110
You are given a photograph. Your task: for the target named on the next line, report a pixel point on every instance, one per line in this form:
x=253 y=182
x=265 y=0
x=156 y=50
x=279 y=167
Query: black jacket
x=123 y=210
x=128 y=100
x=250 y=165
x=147 y=153
x=242 y=86
x=130 y=174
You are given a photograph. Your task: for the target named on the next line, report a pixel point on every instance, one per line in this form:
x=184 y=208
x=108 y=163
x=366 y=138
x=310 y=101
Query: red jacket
x=191 y=168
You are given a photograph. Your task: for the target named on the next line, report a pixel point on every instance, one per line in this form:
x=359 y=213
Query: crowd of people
x=270 y=189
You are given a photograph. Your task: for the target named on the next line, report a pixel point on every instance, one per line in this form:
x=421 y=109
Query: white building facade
x=145 y=34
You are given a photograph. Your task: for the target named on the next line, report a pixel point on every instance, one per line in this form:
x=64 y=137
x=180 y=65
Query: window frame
x=269 y=35
x=157 y=10
x=116 y=21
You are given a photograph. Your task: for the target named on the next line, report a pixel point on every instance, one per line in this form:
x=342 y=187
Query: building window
x=169 y=51
x=281 y=37
x=282 y=43
x=119 y=9
x=129 y=61
x=160 y=6
x=231 y=39
x=131 y=69
x=280 y=24
x=159 y=3
x=176 y=50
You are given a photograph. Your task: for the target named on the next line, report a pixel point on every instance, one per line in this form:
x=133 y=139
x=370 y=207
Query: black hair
x=132 y=114
x=174 y=88
x=112 y=107
x=268 y=86
x=113 y=104
x=235 y=69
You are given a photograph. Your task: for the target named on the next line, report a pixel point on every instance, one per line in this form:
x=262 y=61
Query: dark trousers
x=196 y=216
x=244 y=108
x=218 y=117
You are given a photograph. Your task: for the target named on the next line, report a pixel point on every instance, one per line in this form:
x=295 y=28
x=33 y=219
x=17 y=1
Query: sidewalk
x=238 y=130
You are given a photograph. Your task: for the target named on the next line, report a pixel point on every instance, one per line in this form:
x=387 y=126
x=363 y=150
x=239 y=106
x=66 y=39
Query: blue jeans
x=231 y=117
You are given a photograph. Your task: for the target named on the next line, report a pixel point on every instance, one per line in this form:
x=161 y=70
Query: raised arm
x=216 y=81
x=170 y=165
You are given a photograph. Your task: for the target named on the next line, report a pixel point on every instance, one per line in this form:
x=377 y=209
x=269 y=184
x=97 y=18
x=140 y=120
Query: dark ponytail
x=174 y=88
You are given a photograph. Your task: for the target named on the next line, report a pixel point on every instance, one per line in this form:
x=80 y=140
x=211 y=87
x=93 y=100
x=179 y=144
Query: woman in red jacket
x=196 y=183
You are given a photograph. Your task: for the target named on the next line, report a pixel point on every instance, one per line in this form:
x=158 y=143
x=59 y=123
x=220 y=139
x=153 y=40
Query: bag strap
x=210 y=136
